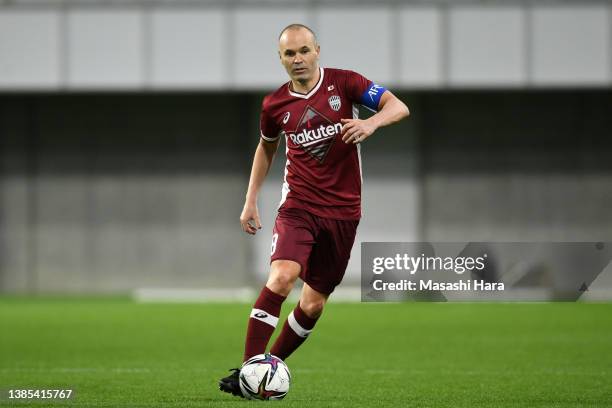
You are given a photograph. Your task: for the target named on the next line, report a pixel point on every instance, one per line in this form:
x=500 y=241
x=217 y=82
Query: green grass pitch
x=116 y=353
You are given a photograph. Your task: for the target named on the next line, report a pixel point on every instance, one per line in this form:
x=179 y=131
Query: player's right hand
x=249 y=219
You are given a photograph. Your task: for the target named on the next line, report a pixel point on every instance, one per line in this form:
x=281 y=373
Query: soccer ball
x=264 y=377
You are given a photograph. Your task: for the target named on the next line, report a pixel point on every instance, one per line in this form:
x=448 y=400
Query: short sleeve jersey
x=322 y=173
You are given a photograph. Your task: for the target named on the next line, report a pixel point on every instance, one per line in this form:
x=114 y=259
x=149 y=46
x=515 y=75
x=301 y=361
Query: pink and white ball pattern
x=264 y=377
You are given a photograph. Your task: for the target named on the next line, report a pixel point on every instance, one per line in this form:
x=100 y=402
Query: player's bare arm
x=264 y=154
x=391 y=110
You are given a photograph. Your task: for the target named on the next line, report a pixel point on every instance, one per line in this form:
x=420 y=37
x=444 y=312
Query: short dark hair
x=296 y=26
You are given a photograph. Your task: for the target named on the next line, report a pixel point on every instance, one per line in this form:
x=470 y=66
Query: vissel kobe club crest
x=334 y=102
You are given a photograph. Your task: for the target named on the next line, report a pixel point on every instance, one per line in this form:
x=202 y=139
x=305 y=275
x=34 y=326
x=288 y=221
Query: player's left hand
x=356 y=130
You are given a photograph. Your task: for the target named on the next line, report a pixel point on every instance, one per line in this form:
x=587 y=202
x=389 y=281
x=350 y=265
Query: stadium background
x=127 y=130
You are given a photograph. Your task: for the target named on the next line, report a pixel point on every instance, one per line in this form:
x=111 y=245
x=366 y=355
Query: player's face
x=299 y=55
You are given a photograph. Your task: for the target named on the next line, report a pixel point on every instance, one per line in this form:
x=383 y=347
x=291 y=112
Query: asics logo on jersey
x=322 y=132
x=286 y=117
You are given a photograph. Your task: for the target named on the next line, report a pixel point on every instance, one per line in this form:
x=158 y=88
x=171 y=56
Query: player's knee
x=281 y=279
x=313 y=308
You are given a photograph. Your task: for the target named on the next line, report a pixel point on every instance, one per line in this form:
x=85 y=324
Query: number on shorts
x=274 y=239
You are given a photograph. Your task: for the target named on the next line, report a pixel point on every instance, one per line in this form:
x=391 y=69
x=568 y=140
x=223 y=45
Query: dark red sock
x=296 y=329
x=262 y=322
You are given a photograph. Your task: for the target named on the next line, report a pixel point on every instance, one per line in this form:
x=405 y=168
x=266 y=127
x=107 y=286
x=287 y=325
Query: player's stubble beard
x=310 y=80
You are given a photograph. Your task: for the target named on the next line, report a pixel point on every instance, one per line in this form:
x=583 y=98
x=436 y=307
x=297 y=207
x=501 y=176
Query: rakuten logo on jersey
x=315 y=133
x=307 y=137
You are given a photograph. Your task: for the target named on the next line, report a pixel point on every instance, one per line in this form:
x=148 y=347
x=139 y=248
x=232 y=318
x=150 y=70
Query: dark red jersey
x=322 y=173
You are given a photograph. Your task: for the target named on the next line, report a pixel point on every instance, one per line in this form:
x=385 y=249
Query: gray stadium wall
x=108 y=192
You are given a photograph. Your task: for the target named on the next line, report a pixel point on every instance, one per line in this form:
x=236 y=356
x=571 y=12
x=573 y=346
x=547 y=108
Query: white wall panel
x=487 y=46
x=211 y=46
x=188 y=48
x=571 y=45
x=420 y=47
x=358 y=39
x=29 y=49
x=255 y=57
x=106 y=48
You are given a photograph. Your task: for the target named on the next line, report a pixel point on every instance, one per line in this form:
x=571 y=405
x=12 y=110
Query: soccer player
x=317 y=113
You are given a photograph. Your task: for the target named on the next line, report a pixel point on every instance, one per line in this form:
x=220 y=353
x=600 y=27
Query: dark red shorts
x=321 y=246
